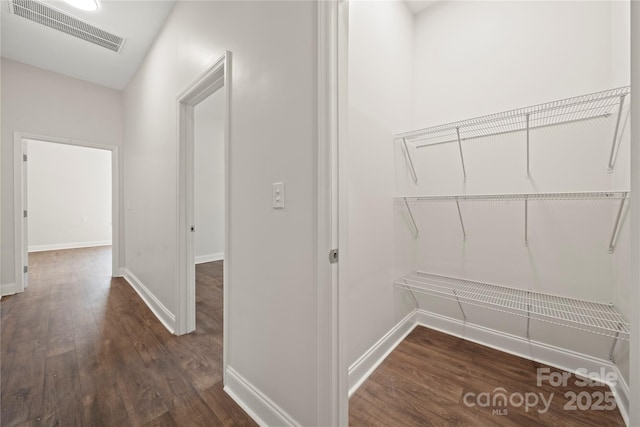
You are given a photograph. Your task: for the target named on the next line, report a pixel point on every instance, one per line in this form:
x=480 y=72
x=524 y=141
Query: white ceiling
x=138 y=21
x=418 y=6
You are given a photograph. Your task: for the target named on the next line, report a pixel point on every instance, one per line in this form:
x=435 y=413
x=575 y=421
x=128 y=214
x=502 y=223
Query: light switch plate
x=278 y=195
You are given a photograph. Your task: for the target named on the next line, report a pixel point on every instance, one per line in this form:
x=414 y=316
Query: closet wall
x=476 y=58
x=380 y=104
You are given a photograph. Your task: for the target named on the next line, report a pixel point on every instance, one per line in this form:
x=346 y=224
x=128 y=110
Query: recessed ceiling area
x=41 y=46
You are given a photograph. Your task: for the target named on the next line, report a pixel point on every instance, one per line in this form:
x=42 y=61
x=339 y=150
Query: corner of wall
x=255 y=403
x=166 y=317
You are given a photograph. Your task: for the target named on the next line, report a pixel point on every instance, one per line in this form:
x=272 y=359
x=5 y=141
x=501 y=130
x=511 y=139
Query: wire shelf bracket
x=409 y=161
x=464 y=231
x=526 y=221
x=416 y=230
x=614 y=144
x=565 y=111
x=613 y=343
x=464 y=169
x=616 y=226
x=528 y=157
x=592 y=317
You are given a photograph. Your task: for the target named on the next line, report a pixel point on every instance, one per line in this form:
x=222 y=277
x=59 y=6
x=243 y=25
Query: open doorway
x=66 y=197
x=209 y=219
x=69 y=200
x=203 y=195
x=209 y=179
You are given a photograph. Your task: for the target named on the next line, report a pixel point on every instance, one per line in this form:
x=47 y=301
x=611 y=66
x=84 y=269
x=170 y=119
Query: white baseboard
x=167 y=318
x=259 y=407
x=200 y=259
x=622 y=393
x=8 y=289
x=564 y=359
x=75 y=245
x=360 y=370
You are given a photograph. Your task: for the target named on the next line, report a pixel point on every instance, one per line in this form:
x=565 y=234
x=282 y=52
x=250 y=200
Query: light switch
x=278 y=195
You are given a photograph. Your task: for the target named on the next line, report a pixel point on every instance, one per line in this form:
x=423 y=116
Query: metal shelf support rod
x=464 y=232
x=413 y=221
x=464 y=170
x=413 y=295
x=615 y=135
x=464 y=316
x=528 y=172
x=411 y=167
x=526 y=221
x=614 y=233
x=528 y=312
x=615 y=341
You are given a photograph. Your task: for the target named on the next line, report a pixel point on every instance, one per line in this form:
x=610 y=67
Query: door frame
x=215 y=77
x=20 y=187
x=333 y=382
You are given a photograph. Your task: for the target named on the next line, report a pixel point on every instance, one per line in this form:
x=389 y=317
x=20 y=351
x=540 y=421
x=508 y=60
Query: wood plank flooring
x=424 y=382
x=79 y=348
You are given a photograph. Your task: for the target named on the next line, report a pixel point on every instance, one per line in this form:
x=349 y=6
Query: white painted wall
x=209 y=178
x=40 y=102
x=69 y=196
x=272 y=263
x=380 y=104
x=504 y=58
x=475 y=58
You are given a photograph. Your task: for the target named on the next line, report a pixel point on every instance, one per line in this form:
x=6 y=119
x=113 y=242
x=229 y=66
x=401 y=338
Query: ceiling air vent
x=61 y=21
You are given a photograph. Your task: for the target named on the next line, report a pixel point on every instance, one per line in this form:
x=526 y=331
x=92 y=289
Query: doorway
x=21 y=192
x=203 y=226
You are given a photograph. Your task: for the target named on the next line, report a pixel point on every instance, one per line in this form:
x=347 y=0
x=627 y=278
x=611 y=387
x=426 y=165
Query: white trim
x=560 y=358
x=201 y=259
x=622 y=393
x=19 y=202
x=362 y=368
x=255 y=403
x=7 y=289
x=332 y=379
x=341 y=194
x=163 y=314
x=634 y=279
x=73 y=245
x=213 y=78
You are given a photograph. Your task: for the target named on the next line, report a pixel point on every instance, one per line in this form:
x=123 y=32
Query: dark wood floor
x=81 y=349
x=424 y=382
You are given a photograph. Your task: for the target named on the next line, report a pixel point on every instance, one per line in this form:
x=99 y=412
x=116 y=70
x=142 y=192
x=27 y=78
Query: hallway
x=81 y=348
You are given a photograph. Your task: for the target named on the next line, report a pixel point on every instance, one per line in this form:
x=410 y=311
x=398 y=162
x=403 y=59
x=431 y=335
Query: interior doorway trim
x=213 y=78
x=20 y=244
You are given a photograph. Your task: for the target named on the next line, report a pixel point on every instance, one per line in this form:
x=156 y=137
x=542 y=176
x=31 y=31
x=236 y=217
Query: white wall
x=507 y=55
x=40 y=102
x=209 y=178
x=380 y=104
x=273 y=340
x=475 y=58
x=69 y=196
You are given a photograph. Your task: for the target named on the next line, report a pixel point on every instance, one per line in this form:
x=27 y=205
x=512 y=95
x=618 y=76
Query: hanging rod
x=585 y=195
x=584 y=107
x=594 y=317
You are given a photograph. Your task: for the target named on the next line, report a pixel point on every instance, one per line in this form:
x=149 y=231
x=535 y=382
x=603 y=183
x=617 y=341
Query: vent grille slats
x=58 y=20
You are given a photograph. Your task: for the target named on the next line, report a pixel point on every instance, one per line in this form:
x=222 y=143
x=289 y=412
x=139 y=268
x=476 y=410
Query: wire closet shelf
x=584 y=195
x=584 y=107
x=594 y=317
